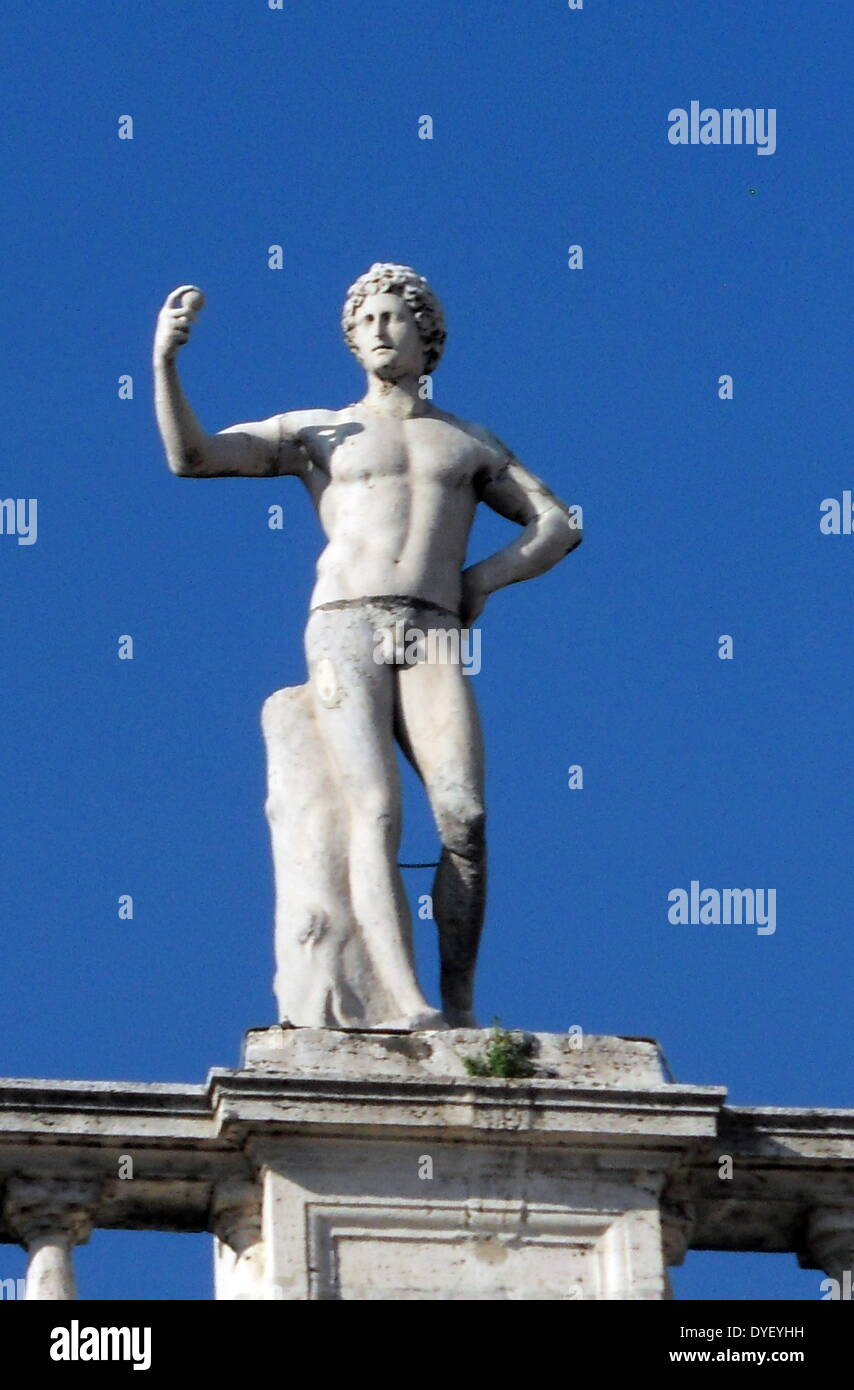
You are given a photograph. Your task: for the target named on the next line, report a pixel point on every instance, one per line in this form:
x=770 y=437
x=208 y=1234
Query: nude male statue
x=396 y=482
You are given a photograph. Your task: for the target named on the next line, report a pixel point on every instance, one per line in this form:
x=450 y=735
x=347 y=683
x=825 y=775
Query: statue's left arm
x=549 y=528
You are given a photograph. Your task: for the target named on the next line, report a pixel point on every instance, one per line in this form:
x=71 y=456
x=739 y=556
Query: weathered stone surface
x=601 y=1061
x=437 y=1222
x=308 y=1164
x=324 y=973
x=83 y=1130
x=50 y=1216
x=389 y=1172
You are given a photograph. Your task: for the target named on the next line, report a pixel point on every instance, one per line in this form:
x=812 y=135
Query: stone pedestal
x=388 y=1172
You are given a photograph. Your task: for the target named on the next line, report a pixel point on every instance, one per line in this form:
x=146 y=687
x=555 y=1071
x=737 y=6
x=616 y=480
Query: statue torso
x=396 y=498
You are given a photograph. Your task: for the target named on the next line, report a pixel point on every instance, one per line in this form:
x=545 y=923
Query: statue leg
x=439 y=730
x=354 y=711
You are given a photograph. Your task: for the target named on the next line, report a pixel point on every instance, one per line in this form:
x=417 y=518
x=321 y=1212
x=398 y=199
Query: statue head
x=410 y=312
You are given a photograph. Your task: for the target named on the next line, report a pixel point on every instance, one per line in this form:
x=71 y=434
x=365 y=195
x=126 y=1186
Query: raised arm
x=258 y=449
x=549 y=533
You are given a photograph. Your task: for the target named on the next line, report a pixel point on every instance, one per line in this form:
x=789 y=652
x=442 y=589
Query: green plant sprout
x=506 y=1054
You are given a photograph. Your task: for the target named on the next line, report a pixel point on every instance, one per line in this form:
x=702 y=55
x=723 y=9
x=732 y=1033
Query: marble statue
x=396 y=482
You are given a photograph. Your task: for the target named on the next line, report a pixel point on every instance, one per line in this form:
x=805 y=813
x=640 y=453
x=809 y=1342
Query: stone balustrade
x=592 y=1176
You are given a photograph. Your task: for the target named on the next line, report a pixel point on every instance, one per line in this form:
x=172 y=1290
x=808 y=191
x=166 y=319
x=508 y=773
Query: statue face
x=386 y=339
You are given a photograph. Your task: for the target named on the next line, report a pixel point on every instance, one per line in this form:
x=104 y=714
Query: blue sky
x=255 y=127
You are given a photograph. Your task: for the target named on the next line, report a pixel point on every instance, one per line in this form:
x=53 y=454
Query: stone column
x=50 y=1217
x=238 y=1247
x=830 y=1242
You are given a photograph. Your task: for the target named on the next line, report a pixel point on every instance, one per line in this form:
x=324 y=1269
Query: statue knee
x=462 y=824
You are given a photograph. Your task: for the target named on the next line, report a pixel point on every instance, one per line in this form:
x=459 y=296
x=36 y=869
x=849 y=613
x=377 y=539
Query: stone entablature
x=310 y=1164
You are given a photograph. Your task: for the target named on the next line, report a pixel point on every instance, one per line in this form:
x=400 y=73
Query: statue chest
x=412 y=451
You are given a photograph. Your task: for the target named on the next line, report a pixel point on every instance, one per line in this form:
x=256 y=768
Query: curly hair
x=386 y=278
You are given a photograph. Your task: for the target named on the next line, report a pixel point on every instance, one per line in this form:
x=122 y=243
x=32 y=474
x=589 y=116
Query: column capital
x=678 y=1219
x=829 y=1239
x=236 y=1212
x=236 y=1220
x=40 y=1208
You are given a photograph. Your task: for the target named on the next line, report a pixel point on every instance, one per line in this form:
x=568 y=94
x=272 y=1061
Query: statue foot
x=460 y=1018
x=428 y=1021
